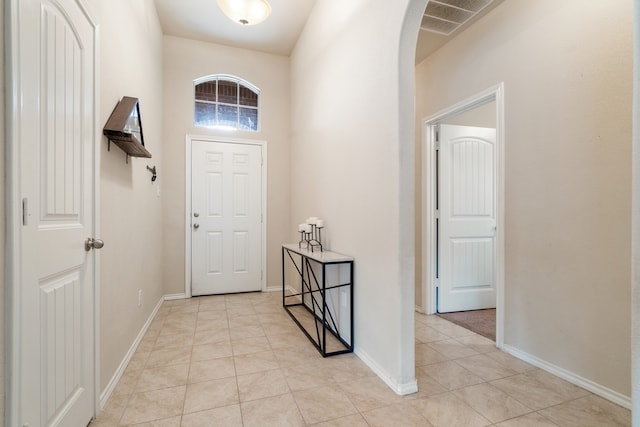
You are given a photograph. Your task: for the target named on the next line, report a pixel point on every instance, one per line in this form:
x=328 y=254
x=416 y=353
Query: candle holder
x=304 y=239
x=311 y=234
x=316 y=238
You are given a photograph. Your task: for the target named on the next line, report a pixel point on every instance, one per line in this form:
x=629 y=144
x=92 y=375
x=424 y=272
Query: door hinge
x=437 y=214
x=437 y=283
x=25 y=211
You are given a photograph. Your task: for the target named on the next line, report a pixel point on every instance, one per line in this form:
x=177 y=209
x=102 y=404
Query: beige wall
x=635 y=303
x=2 y=222
x=131 y=212
x=348 y=165
x=184 y=61
x=566 y=67
x=482 y=116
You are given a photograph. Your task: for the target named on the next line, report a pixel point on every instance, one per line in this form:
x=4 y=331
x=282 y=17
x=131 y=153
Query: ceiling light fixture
x=246 y=12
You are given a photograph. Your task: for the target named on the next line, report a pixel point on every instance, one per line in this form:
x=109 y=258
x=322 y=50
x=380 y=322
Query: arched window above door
x=224 y=101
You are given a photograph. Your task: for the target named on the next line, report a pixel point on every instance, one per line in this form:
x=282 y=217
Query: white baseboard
x=277 y=288
x=291 y=292
x=106 y=394
x=170 y=297
x=600 y=390
x=420 y=310
x=401 y=389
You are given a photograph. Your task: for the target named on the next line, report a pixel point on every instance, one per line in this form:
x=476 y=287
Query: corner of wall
x=3 y=179
x=397 y=385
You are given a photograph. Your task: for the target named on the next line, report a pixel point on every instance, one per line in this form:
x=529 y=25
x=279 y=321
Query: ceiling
x=203 y=20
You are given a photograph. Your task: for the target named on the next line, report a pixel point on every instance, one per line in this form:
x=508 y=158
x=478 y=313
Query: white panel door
x=226 y=217
x=56 y=143
x=467 y=218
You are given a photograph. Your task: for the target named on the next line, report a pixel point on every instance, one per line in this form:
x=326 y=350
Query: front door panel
x=226 y=232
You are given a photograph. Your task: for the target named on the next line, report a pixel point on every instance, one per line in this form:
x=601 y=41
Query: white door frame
x=13 y=210
x=495 y=93
x=187 y=216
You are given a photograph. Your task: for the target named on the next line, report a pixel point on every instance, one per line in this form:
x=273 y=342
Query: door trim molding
x=187 y=213
x=13 y=206
x=494 y=93
x=12 y=199
x=97 y=217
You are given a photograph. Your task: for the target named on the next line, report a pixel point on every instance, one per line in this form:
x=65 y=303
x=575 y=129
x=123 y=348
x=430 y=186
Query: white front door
x=467 y=218
x=55 y=140
x=226 y=217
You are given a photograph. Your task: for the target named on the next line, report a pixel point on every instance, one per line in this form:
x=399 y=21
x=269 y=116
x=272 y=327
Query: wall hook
x=154 y=175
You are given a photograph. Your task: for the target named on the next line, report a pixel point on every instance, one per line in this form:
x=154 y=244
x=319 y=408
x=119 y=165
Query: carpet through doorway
x=482 y=322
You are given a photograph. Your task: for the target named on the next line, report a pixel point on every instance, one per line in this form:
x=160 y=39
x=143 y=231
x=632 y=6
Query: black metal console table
x=321 y=306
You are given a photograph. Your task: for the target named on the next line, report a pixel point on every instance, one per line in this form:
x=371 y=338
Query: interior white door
x=467 y=218
x=226 y=217
x=56 y=143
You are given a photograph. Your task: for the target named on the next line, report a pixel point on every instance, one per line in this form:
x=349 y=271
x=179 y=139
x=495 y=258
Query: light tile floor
x=239 y=360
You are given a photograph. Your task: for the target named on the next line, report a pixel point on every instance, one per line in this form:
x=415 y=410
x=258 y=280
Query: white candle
x=301 y=227
x=320 y=223
x=307 y=228
x=312 y=220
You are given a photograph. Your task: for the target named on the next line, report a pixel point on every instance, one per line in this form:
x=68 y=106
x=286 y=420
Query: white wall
x=635 y=302
x=2 y=222
x=566 y=67
x=482 y=116
x=131 y=213
x=184 y=61
x=349 y=166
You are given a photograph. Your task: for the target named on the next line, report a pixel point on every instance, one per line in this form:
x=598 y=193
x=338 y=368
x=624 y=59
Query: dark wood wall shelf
x=124 y=128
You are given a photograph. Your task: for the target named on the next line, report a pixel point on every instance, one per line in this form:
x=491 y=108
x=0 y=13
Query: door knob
x=92 y=243
x=196 y=225
x=196 y=214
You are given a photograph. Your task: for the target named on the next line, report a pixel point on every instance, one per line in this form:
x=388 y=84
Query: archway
x=406 y=119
